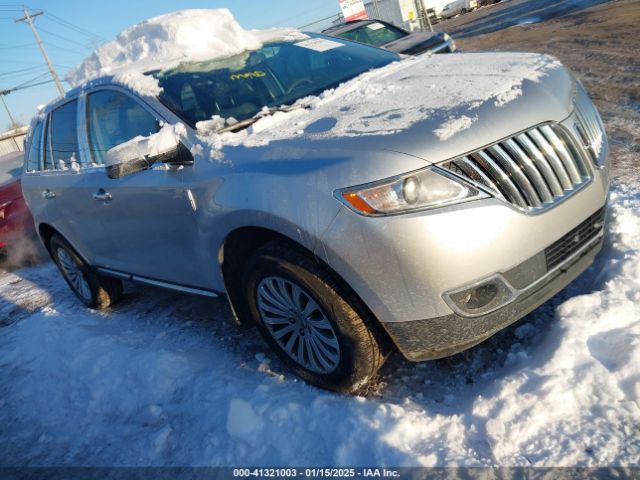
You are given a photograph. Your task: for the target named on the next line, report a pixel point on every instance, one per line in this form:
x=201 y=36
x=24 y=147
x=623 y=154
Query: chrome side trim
x=114 y=273
x=157 y=283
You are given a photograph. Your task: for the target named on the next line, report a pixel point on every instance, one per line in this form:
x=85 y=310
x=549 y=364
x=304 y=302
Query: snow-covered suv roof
x=170 y=39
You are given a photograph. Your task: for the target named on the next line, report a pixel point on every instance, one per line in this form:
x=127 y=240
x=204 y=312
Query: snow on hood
x=167 y=40
x=394 y=98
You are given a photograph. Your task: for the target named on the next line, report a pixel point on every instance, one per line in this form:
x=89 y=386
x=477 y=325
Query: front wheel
x=94 y=290
x=313 y=322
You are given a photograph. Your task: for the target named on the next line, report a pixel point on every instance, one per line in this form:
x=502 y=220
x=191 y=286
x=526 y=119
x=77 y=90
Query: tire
x=346 y=346
x=94 y=290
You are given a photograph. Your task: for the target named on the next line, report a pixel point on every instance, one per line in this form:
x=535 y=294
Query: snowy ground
x=167 y=379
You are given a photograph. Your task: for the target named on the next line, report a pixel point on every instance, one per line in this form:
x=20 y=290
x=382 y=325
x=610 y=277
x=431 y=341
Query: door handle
x=47 y=194
x=102 y=196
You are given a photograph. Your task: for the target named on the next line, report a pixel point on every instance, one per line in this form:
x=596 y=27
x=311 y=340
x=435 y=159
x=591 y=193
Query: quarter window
x=35 y=149
x=64 y=137
x=115 y=118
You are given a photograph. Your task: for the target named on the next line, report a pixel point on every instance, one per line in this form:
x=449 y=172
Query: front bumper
x=404 y=266
x=440 y=337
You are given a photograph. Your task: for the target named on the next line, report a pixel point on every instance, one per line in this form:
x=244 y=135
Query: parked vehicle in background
x=483 y=3
x=458 y=7
x=15 y=219
x=386 y=35
x=342 y=198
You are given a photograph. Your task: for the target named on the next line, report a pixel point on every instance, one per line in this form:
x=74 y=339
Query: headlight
x=424 y=189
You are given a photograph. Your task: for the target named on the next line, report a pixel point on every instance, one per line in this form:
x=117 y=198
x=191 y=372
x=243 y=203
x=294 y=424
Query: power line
x=9 y=47
x=71 y=26
x=28 y=18
x=27 y=69
x=54 y=45
x=31 y=80
x=64 y=38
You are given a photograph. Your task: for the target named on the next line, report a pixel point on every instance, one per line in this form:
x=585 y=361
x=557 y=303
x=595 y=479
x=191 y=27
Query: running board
x=157 y=283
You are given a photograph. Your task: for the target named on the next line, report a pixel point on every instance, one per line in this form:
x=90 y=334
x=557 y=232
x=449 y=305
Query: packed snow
x=163 y=141
x=453 y=126
x=168 y=379
x=167 y=40
x=412 y=90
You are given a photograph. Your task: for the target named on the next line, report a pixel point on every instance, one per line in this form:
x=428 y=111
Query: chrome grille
x=589 y=125
x=531 y=170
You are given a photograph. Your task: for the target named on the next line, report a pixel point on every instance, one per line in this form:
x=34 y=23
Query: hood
x=434 y=107
x=416 y=42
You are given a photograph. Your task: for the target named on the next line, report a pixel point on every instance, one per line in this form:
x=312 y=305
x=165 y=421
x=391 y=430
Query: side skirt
x=158 y=283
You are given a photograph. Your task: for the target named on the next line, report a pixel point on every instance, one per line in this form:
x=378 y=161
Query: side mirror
x=140 y=153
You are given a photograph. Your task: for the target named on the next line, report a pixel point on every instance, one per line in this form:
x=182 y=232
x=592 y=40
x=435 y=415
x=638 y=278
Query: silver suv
x=338 y=243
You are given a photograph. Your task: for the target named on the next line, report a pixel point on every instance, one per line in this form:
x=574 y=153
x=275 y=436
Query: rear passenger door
x=58 y=181
x=148 y=224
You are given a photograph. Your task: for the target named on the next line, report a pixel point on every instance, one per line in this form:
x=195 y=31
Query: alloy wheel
x=74 y=274
x=298 y=324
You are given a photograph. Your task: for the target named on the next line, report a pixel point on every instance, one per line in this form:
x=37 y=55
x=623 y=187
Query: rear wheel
x=314 y=323
x=94 y=290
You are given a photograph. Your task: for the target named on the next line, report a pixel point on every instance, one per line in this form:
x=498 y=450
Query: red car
x=15 y=219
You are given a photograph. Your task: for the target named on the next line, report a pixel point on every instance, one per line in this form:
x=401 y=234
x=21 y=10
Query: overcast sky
x=21 y=61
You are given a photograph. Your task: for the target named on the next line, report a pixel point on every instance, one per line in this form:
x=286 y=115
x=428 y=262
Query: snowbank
x=167 y=379
x=167 y=40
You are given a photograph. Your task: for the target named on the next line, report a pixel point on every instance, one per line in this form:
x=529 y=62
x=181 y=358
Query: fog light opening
x=482 y=298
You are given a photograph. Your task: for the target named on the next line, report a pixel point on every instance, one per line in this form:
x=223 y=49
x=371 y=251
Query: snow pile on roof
x=167 y=40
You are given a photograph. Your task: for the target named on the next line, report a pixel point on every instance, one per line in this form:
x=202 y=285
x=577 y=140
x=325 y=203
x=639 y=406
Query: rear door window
x=64 y=137
x=114 y=118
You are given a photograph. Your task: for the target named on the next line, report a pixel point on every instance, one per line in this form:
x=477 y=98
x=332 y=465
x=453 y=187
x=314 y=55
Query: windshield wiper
x=265 y=112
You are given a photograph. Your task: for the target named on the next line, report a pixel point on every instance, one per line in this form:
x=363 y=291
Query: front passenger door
x=148 y=219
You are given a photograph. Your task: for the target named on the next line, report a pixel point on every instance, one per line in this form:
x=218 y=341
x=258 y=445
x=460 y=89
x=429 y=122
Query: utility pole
x=29 y=19
x=2 y=94
x=13 y=122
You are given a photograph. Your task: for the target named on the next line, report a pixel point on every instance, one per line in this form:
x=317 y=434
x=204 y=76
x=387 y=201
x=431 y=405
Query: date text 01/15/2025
x=315 y=473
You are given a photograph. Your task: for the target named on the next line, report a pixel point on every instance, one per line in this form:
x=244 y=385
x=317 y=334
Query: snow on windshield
x=167 y=40
x=393 y=98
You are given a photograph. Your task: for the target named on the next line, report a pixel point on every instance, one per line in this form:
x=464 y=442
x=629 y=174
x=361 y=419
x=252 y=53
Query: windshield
x=376 y=34
x=278 y=74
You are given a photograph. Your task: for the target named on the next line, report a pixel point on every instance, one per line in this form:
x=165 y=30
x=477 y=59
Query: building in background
x=13 y=140
x=408 y=14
